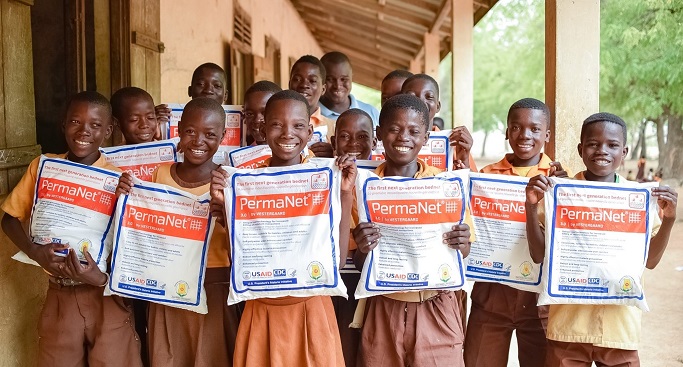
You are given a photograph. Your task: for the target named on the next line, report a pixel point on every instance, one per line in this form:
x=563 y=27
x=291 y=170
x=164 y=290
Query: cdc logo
x=151 y=283
x=413 y=276
x=279 y=272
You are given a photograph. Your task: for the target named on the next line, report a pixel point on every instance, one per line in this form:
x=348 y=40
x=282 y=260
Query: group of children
x=79 y=326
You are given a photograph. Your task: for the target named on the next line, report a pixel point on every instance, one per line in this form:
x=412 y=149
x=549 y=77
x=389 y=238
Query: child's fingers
x=89 y=259
x=324 y=150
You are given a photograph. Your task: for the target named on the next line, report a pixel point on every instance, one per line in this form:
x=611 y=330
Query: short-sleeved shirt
x=370 y=109
x=20 y=201
x=218 y=255
x=607 y=326
x=504 y=167
x=317 y=119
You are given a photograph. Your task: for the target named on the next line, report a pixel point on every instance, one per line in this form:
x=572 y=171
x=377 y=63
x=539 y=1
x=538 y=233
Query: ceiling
x=380 y=35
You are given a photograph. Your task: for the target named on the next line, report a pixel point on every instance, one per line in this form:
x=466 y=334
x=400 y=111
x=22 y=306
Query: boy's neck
x=277 y=162
x=408 y=170
x=191 y=173
x=518 y=162
x=88 y=161
x=589 y=176
x=336 y=107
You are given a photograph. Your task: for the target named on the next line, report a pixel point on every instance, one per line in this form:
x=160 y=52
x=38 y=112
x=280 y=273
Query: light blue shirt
x=370 y=109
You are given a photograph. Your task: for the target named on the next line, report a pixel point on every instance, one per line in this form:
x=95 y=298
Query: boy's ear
x=547 y=136
x=378 y=134
x=507 y=133
x=333 y=141
x=189 y=92
x=438 y=106
x=110 y=129
x=580 y=148
x=374 y=143
x=426 y=139
x=624 y=153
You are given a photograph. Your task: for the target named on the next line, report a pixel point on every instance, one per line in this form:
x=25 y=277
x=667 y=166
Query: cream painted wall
x=197 y=32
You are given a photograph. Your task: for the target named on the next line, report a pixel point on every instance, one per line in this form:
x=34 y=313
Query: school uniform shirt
x=318 y=119
x=371 y=110
x=218 y=254
x=20 y=201
x=607 y=326
x=504 y=167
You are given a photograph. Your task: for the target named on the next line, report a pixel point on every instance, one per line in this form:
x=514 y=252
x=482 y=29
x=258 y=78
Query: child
x=497 y=309
x=392 y=83
x=427 y=89
x=208 y=80
x=338 y=82
x=78 y=325
x=255 y=99
x=179 y=337
x=606 y=334
x=133 y=111
x=307 y=78
x=414 y=328
x=291 y=331
x=354 y=135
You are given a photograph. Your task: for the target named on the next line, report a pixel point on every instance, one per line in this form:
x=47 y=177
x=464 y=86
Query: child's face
x=138 y=121
x=391 y=87
x=353 y=135
x=527 y=132
x=254 y=108
x=85 y=127
x=402 y=136
x=201 y=132
x=306 y=80
x=287 y=131
x=209 y=83
x=338 y=82
x=426 y=91
x=603 y=148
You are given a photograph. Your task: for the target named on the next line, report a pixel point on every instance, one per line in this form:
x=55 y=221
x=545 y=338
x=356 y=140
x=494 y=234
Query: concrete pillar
x=462 y=23
x=432 y=54
x=23 y=286
x=572 y=72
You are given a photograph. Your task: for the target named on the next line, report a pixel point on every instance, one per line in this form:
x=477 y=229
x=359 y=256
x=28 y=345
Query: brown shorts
x=497 y=311
x=397 y=333
x=185 y=338
x=344 y=309
x=561 y=354
x=78 y=326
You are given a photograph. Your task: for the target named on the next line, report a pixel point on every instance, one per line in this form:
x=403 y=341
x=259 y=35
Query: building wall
x=194 y=34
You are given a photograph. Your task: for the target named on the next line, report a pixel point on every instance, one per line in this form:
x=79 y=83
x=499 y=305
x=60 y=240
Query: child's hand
x=667 y=200
x=322 y=150
x=125 y=184
x=536 y=188
x=163 y=116
x=458 y=238
x=556 y=170
x=366 y=236
x=458 y=164
x=218 y=181
x=461 y=139
x=46 y=256
x=88 y=273
x=347 y=164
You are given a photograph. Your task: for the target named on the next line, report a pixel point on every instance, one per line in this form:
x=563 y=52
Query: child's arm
x=125 y=184
x=347 y=164
x=163 y=116
x=88 y=273
x=323 y=150
x=459 y=239
x=44 y=255
x=461 y=139
x=667 y=200
x=367 y=237
x=218 y=180
x=535 y=190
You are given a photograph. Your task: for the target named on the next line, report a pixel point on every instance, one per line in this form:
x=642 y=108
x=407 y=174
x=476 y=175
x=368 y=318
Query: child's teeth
x=402 y=149
x=82 y=142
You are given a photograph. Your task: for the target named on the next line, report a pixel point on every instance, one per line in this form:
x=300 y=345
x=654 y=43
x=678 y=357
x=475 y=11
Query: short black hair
x=263 y=86
x=204 y=104
x=405 y=102
x=310 y=59
x=606 y=117
x=91 y=97
x=288 y=95
x=212 y=66
x=118 y=99
x=532 y=104
x=398 y=74
x=354 y=112
x=422 y=77
x=335 y=58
